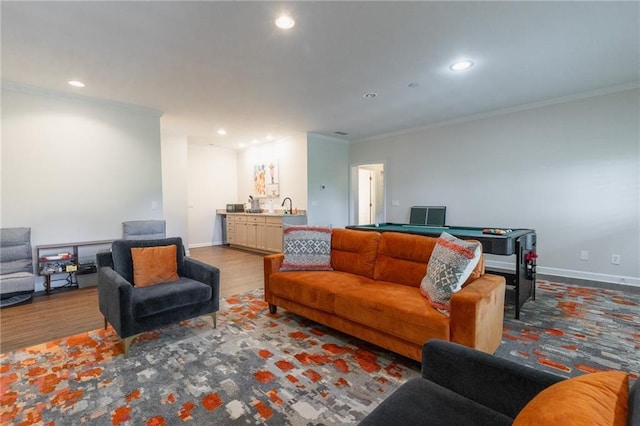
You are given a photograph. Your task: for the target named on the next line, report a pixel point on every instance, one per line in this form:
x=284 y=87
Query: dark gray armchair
x=132 y=310
x=17 y=281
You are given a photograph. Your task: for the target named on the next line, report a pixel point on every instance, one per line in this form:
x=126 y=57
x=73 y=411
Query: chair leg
x=214 y=318
x=105 y=323
x=126 y=343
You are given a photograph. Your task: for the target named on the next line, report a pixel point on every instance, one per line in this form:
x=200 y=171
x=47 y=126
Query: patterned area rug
x=570 y=330
x=253 y=369
x=284 y=370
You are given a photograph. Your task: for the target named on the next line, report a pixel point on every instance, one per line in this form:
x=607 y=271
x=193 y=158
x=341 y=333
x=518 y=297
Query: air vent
x=341 y=133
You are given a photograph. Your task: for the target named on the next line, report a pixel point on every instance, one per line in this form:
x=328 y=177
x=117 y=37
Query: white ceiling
x=208 y=65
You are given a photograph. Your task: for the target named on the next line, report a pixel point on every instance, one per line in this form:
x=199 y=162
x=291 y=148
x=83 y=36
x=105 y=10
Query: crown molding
x=39 y=91
x=505 y=111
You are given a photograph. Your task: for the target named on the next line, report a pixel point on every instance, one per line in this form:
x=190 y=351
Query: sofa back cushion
x=402 y=258
x=355 y=251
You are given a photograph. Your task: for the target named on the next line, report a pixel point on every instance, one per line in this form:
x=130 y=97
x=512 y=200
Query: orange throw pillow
x=154 y=265
x=592 y=399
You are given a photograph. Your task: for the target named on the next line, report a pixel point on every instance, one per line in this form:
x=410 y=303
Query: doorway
x=367 y=190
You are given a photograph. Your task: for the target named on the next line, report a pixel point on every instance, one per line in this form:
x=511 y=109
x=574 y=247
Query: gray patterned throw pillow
x=451 y=263
x=307 y=248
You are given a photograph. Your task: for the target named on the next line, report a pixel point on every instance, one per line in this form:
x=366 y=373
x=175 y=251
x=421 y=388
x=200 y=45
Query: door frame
x=353 y=190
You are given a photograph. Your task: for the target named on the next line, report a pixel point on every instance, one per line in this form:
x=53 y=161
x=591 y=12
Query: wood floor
x=66 y=312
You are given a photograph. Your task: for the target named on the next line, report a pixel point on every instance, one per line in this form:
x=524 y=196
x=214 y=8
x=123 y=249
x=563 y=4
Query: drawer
x=241 y=218
x=256 y=219
x=274 y=219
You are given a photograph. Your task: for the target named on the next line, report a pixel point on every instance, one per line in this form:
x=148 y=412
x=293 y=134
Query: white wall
x=569 y=170
x=74 y=168
x=212 y=176
x=175 y=184
x=291 y=154
x=328 y=167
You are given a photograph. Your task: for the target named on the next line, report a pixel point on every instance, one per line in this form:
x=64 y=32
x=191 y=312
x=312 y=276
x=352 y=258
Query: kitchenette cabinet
x=260 y=231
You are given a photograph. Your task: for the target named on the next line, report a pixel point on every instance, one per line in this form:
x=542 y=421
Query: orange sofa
x=373 y=293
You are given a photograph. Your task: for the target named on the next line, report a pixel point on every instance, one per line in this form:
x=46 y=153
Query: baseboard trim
x=578 y=277
x=208 y=244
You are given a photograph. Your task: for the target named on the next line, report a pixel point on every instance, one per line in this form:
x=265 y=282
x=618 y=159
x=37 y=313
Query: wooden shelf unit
x=50 y=263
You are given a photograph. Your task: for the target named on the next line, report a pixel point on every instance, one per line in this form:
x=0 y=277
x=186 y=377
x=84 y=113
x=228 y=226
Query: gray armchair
x=132 y=310
x=17 y=281
x=144 y=229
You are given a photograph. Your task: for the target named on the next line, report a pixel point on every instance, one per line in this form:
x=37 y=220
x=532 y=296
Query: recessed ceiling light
x=370 y=95
x=285 y=22
x=461 y=65
x=269 y=137
x=75 y=83
x=255 y=141
x=222 y=132
x=241 y=145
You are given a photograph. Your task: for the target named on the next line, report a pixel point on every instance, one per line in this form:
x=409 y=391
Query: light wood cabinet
x=259 y=231
x=231 y=229
x=273 y=234
x=241 y=231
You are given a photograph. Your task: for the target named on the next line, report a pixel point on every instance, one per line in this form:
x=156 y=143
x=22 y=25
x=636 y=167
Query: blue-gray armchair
x=17 y=280
x=132 y=310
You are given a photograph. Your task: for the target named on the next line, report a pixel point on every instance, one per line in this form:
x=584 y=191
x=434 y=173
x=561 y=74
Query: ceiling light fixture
x=285 y=22
x=370 y=95
x=255 y=141
x=269 y=137
x=461 y=65
x=241 y=145
x=75 y=83
x=222 y=132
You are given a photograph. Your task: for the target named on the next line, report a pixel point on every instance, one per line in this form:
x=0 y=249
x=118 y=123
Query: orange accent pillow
x=154 y=265
x=593 y=399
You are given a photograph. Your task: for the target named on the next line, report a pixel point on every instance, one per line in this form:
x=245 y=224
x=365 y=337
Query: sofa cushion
x=394 y=309
x=451 y=263
x=354 y=251
x=402 y=258
x=597 y=399
x=18 y=281
x=421 y=401
x=306 y=248
x=316 y=289
x=154 y=265
x=164 y=297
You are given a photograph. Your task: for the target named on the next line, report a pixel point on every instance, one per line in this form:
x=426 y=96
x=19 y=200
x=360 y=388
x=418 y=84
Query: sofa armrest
x=204 y=273
x=272 y=263
x=499 y=384
x=115 y=299
x=477 y=313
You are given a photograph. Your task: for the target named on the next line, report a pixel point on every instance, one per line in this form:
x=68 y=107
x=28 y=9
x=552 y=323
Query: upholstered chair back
x=144 y=229
x=15 y=251
x=123 y=261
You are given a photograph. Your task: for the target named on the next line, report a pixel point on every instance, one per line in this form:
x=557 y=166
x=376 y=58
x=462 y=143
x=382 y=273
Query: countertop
x=277 y=213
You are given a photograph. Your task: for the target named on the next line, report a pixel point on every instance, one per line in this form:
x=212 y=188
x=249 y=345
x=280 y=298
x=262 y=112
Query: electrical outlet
x=615 y=259
x=395 y=203
x=584 y=255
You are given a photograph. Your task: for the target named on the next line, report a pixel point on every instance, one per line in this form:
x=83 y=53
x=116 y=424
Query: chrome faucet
x=290 y=204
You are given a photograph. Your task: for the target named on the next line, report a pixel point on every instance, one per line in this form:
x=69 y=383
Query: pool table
x=518 y=242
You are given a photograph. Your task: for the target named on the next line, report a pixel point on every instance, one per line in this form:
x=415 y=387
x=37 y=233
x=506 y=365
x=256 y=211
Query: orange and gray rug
x=284 y=370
